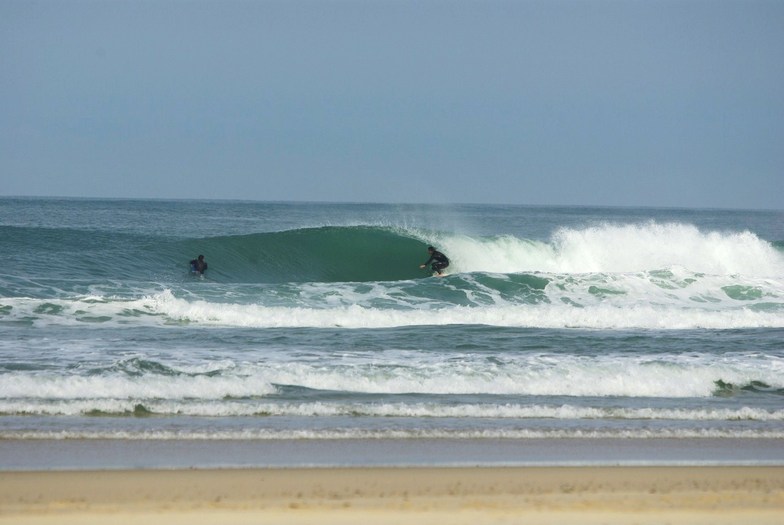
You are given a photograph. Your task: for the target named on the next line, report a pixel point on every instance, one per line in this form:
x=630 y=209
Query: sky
x=552 y=102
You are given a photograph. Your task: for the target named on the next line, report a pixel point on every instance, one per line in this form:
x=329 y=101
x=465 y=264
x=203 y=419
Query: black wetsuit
x=198 y=266
x=439 y=260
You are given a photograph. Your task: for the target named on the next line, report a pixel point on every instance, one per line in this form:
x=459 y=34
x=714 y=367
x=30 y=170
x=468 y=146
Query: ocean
x=314 y=324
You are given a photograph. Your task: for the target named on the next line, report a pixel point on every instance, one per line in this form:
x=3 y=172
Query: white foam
x=665 y=376
x=356 y=433
x=613 y=248
x=118 y=386
x=233 y=408
x=624 y=315
x=633 y=302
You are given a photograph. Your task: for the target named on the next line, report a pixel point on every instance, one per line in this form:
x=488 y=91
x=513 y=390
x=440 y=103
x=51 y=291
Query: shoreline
x=131 y=454
x=427 y=495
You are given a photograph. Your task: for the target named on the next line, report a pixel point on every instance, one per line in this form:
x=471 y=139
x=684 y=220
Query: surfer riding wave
x=438 y=261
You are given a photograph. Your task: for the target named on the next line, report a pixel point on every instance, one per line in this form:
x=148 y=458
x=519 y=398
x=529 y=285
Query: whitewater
x=314 y=321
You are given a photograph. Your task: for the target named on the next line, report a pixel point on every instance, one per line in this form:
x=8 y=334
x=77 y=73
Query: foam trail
x=351 y=433
x=647 y=375
x=670 y=302
x=542 y=316
x=205 y=408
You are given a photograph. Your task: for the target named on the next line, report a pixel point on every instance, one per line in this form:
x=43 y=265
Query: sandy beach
x=397 y=495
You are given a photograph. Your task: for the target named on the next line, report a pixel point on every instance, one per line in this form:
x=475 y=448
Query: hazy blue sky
x=660 y=103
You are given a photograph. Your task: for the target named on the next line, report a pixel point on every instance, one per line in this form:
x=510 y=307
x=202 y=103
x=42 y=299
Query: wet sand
x=421 y=495
x=166 y=454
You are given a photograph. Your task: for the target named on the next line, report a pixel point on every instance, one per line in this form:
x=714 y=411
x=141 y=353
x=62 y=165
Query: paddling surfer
x=199 y=265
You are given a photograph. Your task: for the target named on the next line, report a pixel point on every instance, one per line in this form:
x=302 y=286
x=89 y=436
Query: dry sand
x=379 y=496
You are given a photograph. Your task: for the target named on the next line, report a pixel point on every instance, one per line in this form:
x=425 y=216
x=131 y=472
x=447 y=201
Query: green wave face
x=325 y=254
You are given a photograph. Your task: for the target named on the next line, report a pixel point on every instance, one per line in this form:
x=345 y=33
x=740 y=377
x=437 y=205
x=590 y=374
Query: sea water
x=314 y=321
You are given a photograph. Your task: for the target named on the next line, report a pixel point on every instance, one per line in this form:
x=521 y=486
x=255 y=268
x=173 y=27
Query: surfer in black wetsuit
x=199 y=265
x=439 y=260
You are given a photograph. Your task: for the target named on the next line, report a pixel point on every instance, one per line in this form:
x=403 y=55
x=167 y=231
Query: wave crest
x=612 y=248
